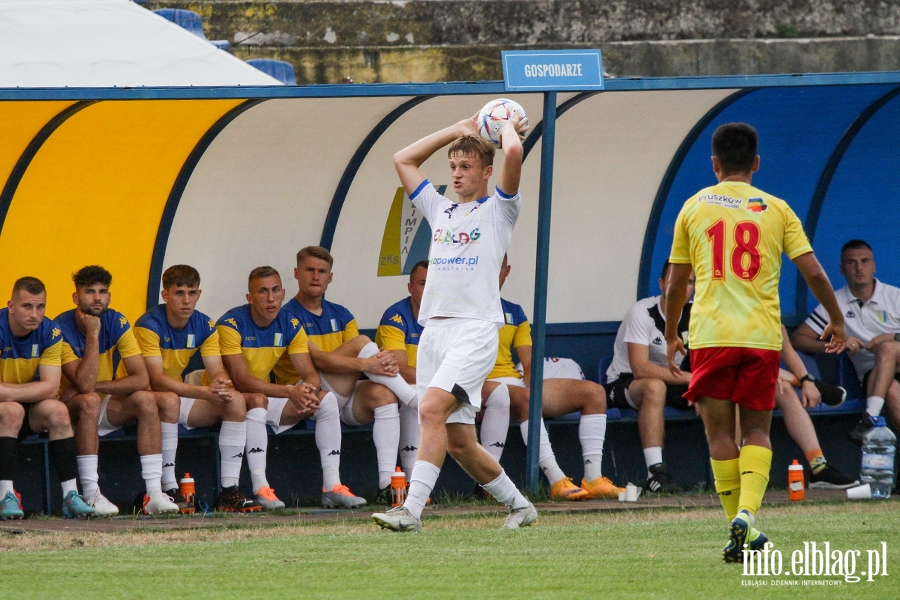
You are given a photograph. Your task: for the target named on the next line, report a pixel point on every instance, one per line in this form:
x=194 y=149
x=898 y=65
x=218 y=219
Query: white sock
x=591 y=434
x=409 y=438
x=874 y=404
x=423 y=479
x=546 y=458
x=386 y=435
x=404 y=392
x=652 y=456
x=87 y=473
x=256 y=446
x=232 y=439
x=70 y=485
x=495 y=423
x=6 y=487
x=328 y=440
x=505 y=492
x=169 y=448
x=151 y=472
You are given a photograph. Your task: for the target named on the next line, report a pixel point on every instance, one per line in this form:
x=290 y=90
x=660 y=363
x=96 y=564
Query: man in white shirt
x=639 y=378
x=460 y=310
x=871 y=311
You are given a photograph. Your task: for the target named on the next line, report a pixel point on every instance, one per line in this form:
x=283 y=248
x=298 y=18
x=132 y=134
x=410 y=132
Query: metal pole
x=539 y=325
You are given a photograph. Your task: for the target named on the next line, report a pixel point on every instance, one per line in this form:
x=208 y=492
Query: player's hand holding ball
x=498 y=113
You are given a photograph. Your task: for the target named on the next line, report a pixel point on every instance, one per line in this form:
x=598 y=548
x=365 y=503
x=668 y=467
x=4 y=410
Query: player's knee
x=432 y=414
x=144 y=404
x=328 y=407
x=499 y=398
x=56 y=415
x=87 y=406
x=254 y=400
x=381 y=396
x=594 y=399
x=889 y=350
x=168 y=404
x=12 y=414
x=655 y=393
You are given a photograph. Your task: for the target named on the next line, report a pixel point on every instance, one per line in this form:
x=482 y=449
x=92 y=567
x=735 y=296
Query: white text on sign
x=551 y=70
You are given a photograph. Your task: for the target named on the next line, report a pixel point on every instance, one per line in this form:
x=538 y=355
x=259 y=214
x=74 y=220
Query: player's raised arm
x=408 y=160
x=513 y=153
x=676 y=297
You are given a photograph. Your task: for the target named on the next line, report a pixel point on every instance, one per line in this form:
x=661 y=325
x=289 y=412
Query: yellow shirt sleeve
x=390 y=338
x=210 y=347
x=127 y=345
x=795 y=241
x=681 y=244
x=148 y=341
x=52 y=356
x=67 y=355
x=351 y=331
x=229 y=340
x=300 y=343
x=522 y=336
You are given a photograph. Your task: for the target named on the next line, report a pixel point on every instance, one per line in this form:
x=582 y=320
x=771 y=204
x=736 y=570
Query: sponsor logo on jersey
x=850 y=314
x=460 y=262
x=757 y=205
x=232 y=322
x=191 y=340
x=397 y=319
x=657 y=341
x=294 y=322
x=123 y=322
x=461 y=238
x=719 y=200
x=279 y=340
x=55 y=333
x=212 y=324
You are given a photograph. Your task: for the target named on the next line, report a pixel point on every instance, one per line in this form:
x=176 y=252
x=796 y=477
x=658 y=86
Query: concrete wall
x=461 y=40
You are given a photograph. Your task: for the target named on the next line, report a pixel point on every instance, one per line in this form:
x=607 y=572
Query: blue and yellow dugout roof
x=228 y=179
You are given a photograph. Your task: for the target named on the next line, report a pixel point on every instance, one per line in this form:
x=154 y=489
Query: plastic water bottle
x=796 y=485
x=879 y=445
x=398 y=487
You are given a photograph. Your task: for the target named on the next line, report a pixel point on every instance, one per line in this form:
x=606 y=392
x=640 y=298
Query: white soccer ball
x=494 y=114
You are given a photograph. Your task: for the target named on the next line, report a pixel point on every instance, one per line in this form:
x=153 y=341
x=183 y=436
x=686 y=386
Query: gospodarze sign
x=552 y=70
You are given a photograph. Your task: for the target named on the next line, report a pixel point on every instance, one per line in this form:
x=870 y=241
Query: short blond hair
x=473 y=145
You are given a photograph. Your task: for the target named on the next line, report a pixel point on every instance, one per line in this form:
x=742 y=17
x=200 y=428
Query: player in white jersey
x=460 y=310
x=871 y=311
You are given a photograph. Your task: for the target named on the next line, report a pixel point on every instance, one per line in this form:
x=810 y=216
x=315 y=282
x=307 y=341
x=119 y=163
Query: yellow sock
x=727 y=475
x=755 y=462
x=816 y=460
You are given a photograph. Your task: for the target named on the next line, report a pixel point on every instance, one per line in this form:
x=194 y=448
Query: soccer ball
x=492 y=116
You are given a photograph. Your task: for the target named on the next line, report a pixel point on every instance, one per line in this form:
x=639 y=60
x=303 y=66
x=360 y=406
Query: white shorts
x=456 y=355
x=509 y=381
x=345 y=404
x=273 y=415
x=186 y=405
x=104 y=427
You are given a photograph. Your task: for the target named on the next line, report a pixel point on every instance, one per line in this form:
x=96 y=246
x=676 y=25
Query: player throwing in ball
x=460 y=309
x=733 y=235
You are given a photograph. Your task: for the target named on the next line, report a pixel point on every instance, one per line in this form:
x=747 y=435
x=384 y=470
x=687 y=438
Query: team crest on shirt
x=279 y=340
x=757 y=205
x=881 y=316
x=35 y=351
x=509 y=318
x=191 y=340
x=334 y=325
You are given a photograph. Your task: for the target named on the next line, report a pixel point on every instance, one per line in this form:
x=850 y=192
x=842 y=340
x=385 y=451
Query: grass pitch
x=659 y=553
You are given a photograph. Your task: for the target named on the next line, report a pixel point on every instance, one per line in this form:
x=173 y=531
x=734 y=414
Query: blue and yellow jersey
x=398 y=330
x=262 y=348
x=176 y=346
x=21 y=357
x=116 y=336
x=515 y=332
x=327 y=331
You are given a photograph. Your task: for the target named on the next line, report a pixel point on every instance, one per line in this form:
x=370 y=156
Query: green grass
x=640 y=554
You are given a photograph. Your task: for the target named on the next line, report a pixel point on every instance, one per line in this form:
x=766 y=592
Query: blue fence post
x=539 y=328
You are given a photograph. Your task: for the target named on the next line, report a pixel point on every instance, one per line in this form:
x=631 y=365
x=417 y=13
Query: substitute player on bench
x=169 y=335
x=460 y=310
x=30 y=373
x=733 y=235
x=253 y=338
x=101 y=401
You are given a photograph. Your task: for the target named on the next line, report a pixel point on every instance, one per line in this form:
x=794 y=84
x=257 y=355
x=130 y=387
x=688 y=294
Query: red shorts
x=746 y=376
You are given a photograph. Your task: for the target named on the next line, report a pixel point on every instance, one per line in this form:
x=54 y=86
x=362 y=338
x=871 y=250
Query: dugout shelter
x=241 y=172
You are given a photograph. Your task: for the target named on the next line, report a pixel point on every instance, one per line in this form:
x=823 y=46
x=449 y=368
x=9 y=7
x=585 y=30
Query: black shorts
x=26 y=430
x=617 y=398
x=865 y=381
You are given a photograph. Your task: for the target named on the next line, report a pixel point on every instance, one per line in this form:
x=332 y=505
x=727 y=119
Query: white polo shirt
x=881 y=314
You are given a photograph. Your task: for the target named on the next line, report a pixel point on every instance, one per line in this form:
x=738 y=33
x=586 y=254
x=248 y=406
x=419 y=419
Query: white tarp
x=108 y=43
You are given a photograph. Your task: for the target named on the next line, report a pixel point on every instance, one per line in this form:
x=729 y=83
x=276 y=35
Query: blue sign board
x=552 y=70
